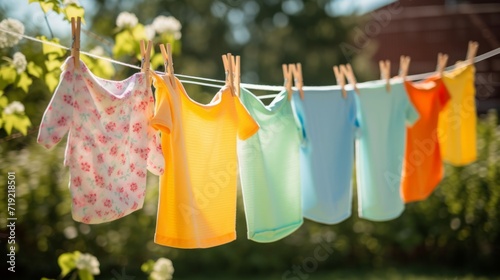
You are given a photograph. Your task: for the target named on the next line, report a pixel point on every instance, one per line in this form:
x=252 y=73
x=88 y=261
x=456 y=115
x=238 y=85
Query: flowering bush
x=76 y=264
x=162 y=269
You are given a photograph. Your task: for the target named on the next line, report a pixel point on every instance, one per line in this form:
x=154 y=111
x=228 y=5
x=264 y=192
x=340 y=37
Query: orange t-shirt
x=423 y=167
x=197 y=200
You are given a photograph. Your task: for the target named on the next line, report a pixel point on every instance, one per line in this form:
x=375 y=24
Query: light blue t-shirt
x=328 y=122
x=380 y=147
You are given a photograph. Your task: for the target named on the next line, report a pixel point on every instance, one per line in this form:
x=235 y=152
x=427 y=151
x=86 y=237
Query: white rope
x=476 y=59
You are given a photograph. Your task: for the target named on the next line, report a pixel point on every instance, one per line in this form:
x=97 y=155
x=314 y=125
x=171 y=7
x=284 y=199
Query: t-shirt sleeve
x=247 y=126
x=411 y=112
x=162 y=119
x=298 y=114
x=443 y=94
x=58 y=116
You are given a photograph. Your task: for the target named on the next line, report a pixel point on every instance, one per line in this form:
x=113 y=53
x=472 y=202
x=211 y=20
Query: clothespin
x=146 y=54
x=347 y=69
x=75 y=47
x=236 y=74
x=339 y=76
x=441 y=63
x=227 y=59
x=287 y=77
x=404 y=65
x=385 y=73
x=471 y=51
x=168 y=62
x=297 y=77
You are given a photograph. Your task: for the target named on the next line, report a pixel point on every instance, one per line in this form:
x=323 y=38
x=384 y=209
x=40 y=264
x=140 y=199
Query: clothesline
x=415 y=77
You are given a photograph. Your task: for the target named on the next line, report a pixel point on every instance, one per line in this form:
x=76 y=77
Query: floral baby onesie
x=110 y=143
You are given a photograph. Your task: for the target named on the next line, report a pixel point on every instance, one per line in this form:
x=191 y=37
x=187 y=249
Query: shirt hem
x=337 y=220
x=381 y=218
x=193 y=243
x=266 y=236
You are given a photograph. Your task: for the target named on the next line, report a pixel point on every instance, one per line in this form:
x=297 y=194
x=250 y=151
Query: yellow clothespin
x=404 y=65
x=347 y=69
x=287 y=77
x=168 y=62
x=146 y=54
x=75 y=33
x=339 y=76
x=297 y=77
x=385 y=73
x=441 y=63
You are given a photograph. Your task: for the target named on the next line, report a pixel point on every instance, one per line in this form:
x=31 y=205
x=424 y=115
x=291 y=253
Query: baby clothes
x=197 y=201
x=328 y=124
x=110 y=143
x=423 y=167
x=457 y=120
x=380 y=148
x=270 y=170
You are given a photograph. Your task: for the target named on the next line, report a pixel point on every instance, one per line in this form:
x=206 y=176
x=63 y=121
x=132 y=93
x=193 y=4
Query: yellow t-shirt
x=197 y=201
x=457 y=120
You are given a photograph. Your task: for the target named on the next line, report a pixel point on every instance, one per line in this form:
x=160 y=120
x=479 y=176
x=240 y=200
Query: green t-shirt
x=270 y=170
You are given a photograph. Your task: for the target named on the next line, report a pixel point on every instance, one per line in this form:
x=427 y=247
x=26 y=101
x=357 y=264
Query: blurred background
x=455 y=234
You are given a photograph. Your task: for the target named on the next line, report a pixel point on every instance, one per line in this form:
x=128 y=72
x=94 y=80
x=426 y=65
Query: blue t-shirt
x=328 y=122
x=380 y=147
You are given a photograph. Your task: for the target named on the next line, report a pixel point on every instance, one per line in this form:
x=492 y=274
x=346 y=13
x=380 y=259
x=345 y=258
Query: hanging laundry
x=328 y=123
x=270 y=170
x=380 y=148
x=110 y=143
x=423 y=166
x=197 y=201
x=457 y=120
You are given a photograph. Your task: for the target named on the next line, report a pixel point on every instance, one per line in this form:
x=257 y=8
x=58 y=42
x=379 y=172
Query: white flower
x=162 y=270
x=126 y=19
x=9 y=40
x=19 y=62
x=98 y=50
x=163 y=24
x=150 y=31
x=14 y=107
x=89 y=263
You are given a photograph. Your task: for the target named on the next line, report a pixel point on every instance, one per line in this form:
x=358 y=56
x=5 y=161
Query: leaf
x=52 y=65
x=51 y=80
x=46 y=7
x=67 y=262
x=73 y=10
x=7 y=76
x=34 y=70
x=147 y=267
x=8 y=122
x=48 y=49
x=139 y=33
x=22 y=123
x=125 y=44
x=84 y=274
x=157 y=61
x=3 y=101
x=24 y=82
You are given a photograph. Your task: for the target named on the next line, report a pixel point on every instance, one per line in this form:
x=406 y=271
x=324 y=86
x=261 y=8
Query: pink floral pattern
x=110 y=144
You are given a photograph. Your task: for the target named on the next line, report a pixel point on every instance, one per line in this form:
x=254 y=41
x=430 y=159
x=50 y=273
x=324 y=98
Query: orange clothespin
x=347 y=69
x=75 y=47
x=287 y=77
x=339 y=76
x=441 y=63
x=297 y=77
x=168 y=62
x=404 y=65
x=385 y=73
x=146 y=54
